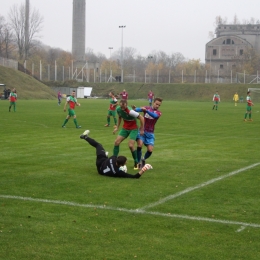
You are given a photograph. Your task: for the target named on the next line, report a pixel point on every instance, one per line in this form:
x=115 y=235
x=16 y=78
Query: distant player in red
x=124 y=95
x=150 y=97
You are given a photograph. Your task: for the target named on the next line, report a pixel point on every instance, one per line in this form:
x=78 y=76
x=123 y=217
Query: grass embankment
x=184 y=92
x=27 y=87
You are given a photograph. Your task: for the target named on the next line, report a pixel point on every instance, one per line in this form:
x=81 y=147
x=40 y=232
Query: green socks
x=116 y=150
x=75 y=122
x=65 y=121
x=134 y=155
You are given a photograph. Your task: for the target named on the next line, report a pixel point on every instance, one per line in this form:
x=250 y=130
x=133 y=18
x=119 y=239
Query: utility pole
x=122 y=54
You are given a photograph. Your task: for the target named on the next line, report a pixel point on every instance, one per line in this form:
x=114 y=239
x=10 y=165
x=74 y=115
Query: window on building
x=214 y=52
x=224 y=42
x=228 y=41
x=233 y=42
x=221 y=66
x=233 y=66
x=241 y=52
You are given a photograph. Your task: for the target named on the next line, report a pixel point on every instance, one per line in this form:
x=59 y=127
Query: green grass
x=54 y=205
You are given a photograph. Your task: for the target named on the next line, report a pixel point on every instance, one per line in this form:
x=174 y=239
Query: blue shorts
x=150 y=100
x=147 y=138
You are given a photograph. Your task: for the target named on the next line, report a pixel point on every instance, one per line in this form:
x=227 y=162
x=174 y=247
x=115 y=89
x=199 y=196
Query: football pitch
x=200 y=201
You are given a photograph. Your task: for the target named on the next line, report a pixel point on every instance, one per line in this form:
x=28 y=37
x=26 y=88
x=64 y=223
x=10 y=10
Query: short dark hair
x=123 y=101
x=121 y=160
x=158 y=99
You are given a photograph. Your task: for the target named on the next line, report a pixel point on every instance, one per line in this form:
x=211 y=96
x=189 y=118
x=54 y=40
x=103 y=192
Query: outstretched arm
x=141 y=118
x=143 y=109
x=152 y=114
x=123 y=174
x=116 y=127
x=65 y=106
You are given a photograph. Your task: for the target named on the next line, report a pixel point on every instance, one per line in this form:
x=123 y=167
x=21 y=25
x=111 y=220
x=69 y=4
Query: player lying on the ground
x=113 y=166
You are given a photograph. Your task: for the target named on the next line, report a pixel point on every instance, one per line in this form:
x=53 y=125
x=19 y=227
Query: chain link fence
x=49 y=72
x=9 y=63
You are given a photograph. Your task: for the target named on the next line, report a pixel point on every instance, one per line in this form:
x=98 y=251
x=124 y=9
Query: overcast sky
x=151 y=25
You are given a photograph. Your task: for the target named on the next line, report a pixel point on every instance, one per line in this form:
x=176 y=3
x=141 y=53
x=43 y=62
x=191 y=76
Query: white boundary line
x=142 y=210
x=134 y=211
x=173 y=196
x=241 y=229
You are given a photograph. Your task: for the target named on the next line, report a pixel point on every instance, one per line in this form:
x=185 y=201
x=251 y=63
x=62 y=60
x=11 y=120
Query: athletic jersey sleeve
x=138 y=109
x=152 y=114
x=133 y=113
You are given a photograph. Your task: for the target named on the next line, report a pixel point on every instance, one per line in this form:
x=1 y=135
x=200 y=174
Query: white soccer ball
x=123 y=168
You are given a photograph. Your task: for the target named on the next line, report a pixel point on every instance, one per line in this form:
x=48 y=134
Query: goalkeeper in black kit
x=110 y=166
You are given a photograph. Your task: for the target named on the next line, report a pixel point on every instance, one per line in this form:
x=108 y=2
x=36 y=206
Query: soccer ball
x=123 y=168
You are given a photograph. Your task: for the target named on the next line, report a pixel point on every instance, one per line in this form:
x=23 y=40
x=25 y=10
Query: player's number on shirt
x=106 y=170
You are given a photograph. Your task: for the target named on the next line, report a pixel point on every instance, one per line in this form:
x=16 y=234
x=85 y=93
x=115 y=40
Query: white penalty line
x=133 y=211
x=173 y=196
x=241 y=229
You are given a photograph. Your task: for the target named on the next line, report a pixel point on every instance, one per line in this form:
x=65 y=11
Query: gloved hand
x=147 y=167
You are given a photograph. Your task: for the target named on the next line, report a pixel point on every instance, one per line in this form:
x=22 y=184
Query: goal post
x=255 y=94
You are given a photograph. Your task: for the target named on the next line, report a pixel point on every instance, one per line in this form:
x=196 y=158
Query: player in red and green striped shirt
x=112 y=109
x=72 y=102
x=12 y=99
x=248 y=107
x=130 y=128
x=216 y=99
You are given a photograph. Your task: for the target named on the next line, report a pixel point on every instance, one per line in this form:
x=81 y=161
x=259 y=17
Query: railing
x=9 y=63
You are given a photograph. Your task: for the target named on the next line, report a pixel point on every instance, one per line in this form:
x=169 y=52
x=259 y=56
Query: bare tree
x=6 y=39
x=235 y=20
x=2 y=20
x=90 y=55
x=8 y=44
x=219 y=20
x=17 y=18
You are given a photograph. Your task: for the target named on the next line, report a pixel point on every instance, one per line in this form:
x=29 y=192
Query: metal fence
x=9 y=63
x=47 y=72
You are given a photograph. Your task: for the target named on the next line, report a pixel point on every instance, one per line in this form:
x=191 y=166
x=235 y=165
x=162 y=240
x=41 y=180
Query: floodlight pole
x=110 y=77
x=122 y=58
x=149 y=58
